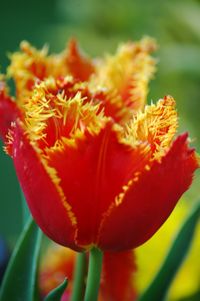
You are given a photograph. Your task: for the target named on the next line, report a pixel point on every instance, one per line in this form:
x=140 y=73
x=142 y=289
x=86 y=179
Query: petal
x=41 y=193
x=92 y=170
x=112 y=105
x=79 y=65
x=118 y=274
x=127 y=74
x=8 y=111
x=30 y=65
x=57 y=108
x=150 y=200
x=135 y=88
x=157 y=125
x=26 y=66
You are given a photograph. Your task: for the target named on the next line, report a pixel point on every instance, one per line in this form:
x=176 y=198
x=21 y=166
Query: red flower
x=96 y=171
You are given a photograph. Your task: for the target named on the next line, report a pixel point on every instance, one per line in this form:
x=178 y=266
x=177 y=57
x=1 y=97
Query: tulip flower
x=95 y=169
x=90 y=181
x=100 y=170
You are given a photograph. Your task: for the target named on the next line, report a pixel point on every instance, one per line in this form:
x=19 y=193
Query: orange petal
x=30 y=65
x=92 y=171
x=149 y=201
x=157 y=126
x=26 y=67
x=79 y=65
x=127 y=74
x=42 y=195
x=8 y=111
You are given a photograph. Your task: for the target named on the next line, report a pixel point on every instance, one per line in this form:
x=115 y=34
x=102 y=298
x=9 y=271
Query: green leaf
x=20 y=278
x=158 y=289
x=56 y=294
x=194 y=297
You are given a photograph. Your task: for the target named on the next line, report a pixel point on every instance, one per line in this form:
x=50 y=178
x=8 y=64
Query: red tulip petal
x=93 y=170
x=44 y=200
x=125 y=76
x=113 y=106
x=150 y=200
x=117 y=281
x=79 y=65
x=26 y=67
x=8 y=111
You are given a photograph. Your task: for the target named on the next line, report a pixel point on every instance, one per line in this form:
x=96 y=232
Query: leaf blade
x=19 y=279
x=158 y=288
x=56 y=294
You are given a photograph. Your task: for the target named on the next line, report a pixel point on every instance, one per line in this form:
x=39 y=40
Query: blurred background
x=100 y=26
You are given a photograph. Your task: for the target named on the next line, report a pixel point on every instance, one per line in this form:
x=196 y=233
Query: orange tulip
x=97 y=167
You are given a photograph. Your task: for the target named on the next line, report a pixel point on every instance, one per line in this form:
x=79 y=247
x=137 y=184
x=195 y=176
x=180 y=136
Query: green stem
x=94 y=275
x=79 y=277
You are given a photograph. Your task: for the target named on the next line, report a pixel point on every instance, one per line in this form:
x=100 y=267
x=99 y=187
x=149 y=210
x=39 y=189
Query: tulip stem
x=94 y=275
x=79 y=277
